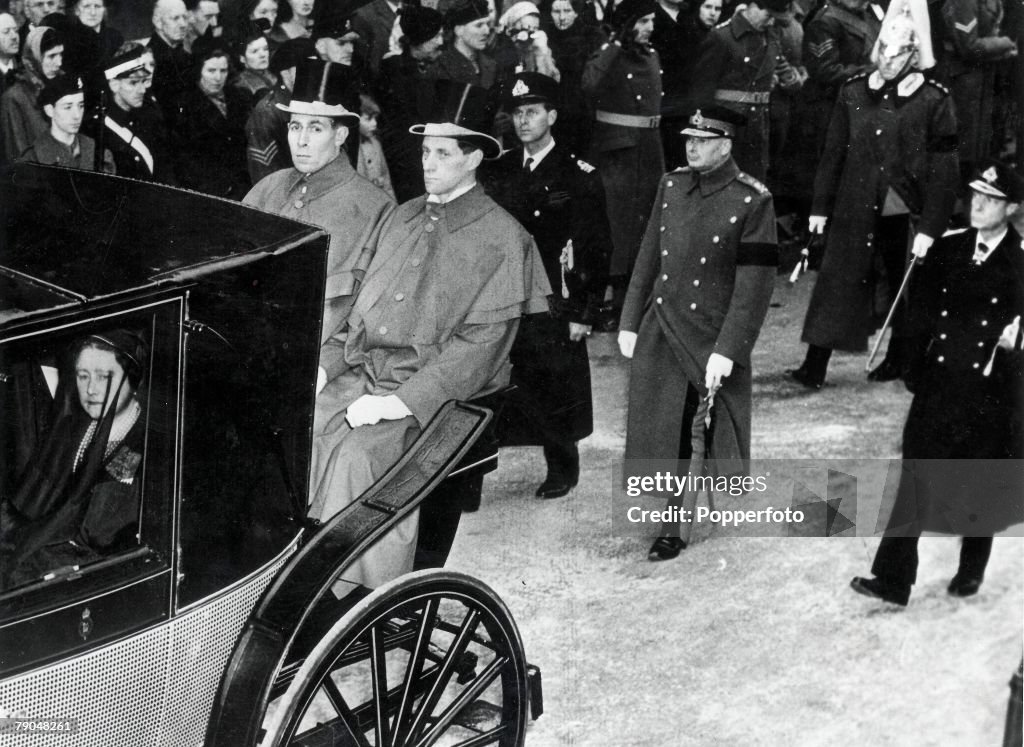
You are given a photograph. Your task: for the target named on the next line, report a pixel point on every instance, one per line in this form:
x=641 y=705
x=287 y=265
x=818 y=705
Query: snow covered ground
x=743 y=641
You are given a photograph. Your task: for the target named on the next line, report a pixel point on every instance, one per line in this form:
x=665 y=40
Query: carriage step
x=533 y=683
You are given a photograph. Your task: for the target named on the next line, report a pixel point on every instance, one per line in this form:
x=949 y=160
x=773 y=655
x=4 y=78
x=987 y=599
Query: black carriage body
x=229 y=300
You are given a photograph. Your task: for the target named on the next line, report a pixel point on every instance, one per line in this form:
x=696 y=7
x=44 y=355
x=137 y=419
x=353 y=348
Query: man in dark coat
x=890 y=154
x=559 y=199
x=131 y=125
x=622 y=82
x=696 y=302
x=435 y=319
x=173 y=74
x=968 y=387
x=374 y=22
x=739 y=65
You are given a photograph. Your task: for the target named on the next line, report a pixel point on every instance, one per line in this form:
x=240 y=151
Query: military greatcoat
x=702 y=285
x=626 y=81
x=886 y=143
x=736 y=65
x=350 y=208
x=434 y=321
x=561 y=203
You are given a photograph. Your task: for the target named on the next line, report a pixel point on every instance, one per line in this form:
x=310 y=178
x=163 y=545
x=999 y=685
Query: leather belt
x=743 y=97
x=628 y=120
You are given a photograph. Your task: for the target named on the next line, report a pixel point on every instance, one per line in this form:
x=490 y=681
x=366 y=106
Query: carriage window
x=86 y=446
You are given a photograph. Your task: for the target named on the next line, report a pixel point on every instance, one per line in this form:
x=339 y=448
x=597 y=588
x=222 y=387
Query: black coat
x=559 y=202
x=211 y=146
x=135 y=138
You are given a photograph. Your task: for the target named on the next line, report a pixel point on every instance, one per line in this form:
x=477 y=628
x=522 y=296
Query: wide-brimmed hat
x=996 y=179
x=466 y=11
x=321 y=90
x=714 y=121
x=461 y=111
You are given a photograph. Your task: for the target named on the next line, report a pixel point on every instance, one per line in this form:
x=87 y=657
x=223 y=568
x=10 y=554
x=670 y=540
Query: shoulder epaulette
x=953 y=232
x=723 y=24
x=585 y=167
x=681 y=170
x=936 y=84
x=857 y=76
x=752 y=182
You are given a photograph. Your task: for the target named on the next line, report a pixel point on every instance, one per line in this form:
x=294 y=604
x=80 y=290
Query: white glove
x=718 y=368
x=627 y=341
x=816 y=224
x=921 y=245
x=1009 y=337
x=578 y=331
x=321 y=379
x=540 y=40
x=370 y=410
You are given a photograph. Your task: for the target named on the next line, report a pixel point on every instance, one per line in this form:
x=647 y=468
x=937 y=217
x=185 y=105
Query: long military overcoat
x=560 y=202
x=702 y=285
x=901 y=136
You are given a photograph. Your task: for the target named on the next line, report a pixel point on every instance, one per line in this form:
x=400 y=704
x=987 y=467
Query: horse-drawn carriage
x=159 y=580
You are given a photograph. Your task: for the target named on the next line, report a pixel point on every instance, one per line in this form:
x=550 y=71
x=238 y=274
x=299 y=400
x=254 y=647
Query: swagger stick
x=891 y=314
x=699 y=444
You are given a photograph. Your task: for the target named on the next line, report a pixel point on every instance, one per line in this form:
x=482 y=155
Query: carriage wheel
x=431 y=658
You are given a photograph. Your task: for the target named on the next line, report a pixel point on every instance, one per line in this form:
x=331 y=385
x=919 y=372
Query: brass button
x=629 y=76
x=664 y=252
x=416 y=262
x=703 y=260
x=663 y=228
x=299 y=204
x=942 y=359
x=383 y=330
x=693 y=307
x=668 y=183
x=984 y=322
x=747 y=198
x=696 y=283
x=399 y=296
x=658 y=300
x=536 y=213
x=664 y=278
x=732 y=219
x=944 y=313
x=715 y=240
x=429 y=228
x=975 y=366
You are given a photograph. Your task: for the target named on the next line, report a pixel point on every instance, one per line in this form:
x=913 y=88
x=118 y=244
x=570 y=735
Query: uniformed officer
x=696 y=302
x=323 y=188
x=739 y=64
x=622 y=82
x=968 y=389
x=890 y=154
x=129 y=124
x=559 y=199
x=974 y=45
x=266 y=131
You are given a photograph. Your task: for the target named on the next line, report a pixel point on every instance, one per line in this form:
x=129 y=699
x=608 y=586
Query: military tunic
x=886 y=143
x=266 y=134
x=626 y=82
x=702 y=285
x=349 y=208
x=138 y=141
x=737 y=70
x=561 y=203
x=434 y=321
x=972 y=45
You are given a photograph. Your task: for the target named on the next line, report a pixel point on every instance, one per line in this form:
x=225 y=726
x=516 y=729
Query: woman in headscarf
x=211 y=127
x=78 y=500
x=21 y=118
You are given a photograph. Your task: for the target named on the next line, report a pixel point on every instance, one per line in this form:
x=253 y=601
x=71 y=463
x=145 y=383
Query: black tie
x=435 y=210
x=980 y=252
x=527 y=165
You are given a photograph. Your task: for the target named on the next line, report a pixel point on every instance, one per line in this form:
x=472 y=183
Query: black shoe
x=884 y=590
x=888 y=370
x=964 y=586
x=665 y=548
x=555 y=487
x=806 y=378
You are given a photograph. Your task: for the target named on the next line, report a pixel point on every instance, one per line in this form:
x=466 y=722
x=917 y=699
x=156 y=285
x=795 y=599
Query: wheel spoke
x=467 y=696
x=346 y=720
x=444 y=674
x=379 y=678
x=419 y=653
